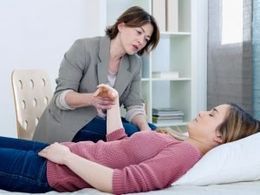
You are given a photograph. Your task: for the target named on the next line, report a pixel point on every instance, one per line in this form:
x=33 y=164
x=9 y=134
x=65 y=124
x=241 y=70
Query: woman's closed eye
x=139 y=31
x=211 y=115
x=213 y=112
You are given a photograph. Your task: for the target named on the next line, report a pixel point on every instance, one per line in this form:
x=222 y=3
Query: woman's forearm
x=97 y=175
x=114 y=117
x=77 y=100
x=141 y=122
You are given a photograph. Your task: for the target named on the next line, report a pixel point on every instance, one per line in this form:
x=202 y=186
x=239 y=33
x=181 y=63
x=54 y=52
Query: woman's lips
x=135 y=47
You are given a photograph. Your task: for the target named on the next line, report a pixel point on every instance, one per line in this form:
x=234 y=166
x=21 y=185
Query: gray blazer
x=83 y=67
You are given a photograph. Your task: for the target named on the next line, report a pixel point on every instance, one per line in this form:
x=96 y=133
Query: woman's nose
x=201 y=113
x=141 y=41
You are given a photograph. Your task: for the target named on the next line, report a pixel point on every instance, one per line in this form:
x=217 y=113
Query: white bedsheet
x=242 y=188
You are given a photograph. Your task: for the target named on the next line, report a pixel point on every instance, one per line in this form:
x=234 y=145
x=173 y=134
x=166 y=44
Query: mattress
x=241 y=188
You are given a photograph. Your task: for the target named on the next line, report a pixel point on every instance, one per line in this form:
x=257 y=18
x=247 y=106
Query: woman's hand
x=55 y=152
x=105 y=91
x=101 y=103
x=104 y=97
x=97 y=175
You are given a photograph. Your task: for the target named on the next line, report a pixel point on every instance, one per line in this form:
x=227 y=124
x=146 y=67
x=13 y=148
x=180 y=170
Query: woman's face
x=207 y=122
x=133 y=39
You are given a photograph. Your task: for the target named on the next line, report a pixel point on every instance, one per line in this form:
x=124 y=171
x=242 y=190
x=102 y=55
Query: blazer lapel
x=102 y=73
x=103 y=58
x=123 y=76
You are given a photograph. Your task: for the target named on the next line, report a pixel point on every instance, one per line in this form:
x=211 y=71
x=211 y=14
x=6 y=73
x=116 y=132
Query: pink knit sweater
x=145 y=161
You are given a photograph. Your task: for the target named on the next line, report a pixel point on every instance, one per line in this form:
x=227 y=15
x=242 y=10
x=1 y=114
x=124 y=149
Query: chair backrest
x=32 y=93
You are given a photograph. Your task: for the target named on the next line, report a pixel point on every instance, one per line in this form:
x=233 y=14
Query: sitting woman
x=122 y=164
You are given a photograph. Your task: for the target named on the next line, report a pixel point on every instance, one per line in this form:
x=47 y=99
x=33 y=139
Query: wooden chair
x=32 y=93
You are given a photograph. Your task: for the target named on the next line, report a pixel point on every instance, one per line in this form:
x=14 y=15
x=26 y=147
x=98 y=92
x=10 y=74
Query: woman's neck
x=203 y=147
x=116 y=49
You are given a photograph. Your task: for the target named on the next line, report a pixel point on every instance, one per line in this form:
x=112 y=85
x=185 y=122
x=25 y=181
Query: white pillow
x=232 y=162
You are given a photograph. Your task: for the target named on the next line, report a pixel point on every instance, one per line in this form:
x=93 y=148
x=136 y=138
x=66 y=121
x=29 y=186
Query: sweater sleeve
x=156 y=173
x=116 y=135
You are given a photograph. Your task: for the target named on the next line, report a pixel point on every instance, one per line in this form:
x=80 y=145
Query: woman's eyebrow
x=215 y=110
x=148 y=36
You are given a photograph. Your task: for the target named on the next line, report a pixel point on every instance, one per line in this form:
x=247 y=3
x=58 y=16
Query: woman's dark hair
x=238 y=124
x=136 y=17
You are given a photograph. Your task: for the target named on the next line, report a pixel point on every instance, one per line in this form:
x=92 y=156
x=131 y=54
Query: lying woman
x=122 y=164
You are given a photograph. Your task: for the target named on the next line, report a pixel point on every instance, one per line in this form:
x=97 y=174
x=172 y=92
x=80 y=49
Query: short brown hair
x=136 y=17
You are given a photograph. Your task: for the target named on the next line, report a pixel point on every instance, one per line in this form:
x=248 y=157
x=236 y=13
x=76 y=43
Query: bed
x=239 y=188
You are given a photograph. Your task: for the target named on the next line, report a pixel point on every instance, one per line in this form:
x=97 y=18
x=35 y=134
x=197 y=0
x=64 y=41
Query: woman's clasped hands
x=104 y=97
x=56 y=153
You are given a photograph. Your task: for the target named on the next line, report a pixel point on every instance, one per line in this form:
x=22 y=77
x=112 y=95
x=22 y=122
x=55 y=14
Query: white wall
x=199 y=23
x=35 y=34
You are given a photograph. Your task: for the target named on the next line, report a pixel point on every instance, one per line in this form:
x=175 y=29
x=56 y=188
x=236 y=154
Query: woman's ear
x=218 y=139
x=120 y=26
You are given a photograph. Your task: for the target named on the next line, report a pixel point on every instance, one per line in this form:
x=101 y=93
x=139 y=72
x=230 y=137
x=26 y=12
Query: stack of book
x=166 y=13
x=167 y=115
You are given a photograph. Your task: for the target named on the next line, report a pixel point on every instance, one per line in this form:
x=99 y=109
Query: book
x=167 y=115
x=166 y=111
x=166 y=121
x=159 y=13
x=172 y=15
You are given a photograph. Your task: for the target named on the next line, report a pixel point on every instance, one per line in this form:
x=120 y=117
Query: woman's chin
x=131 y=52
x=190 y=125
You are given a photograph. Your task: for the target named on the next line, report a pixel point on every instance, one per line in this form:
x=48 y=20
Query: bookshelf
x=180 y=52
